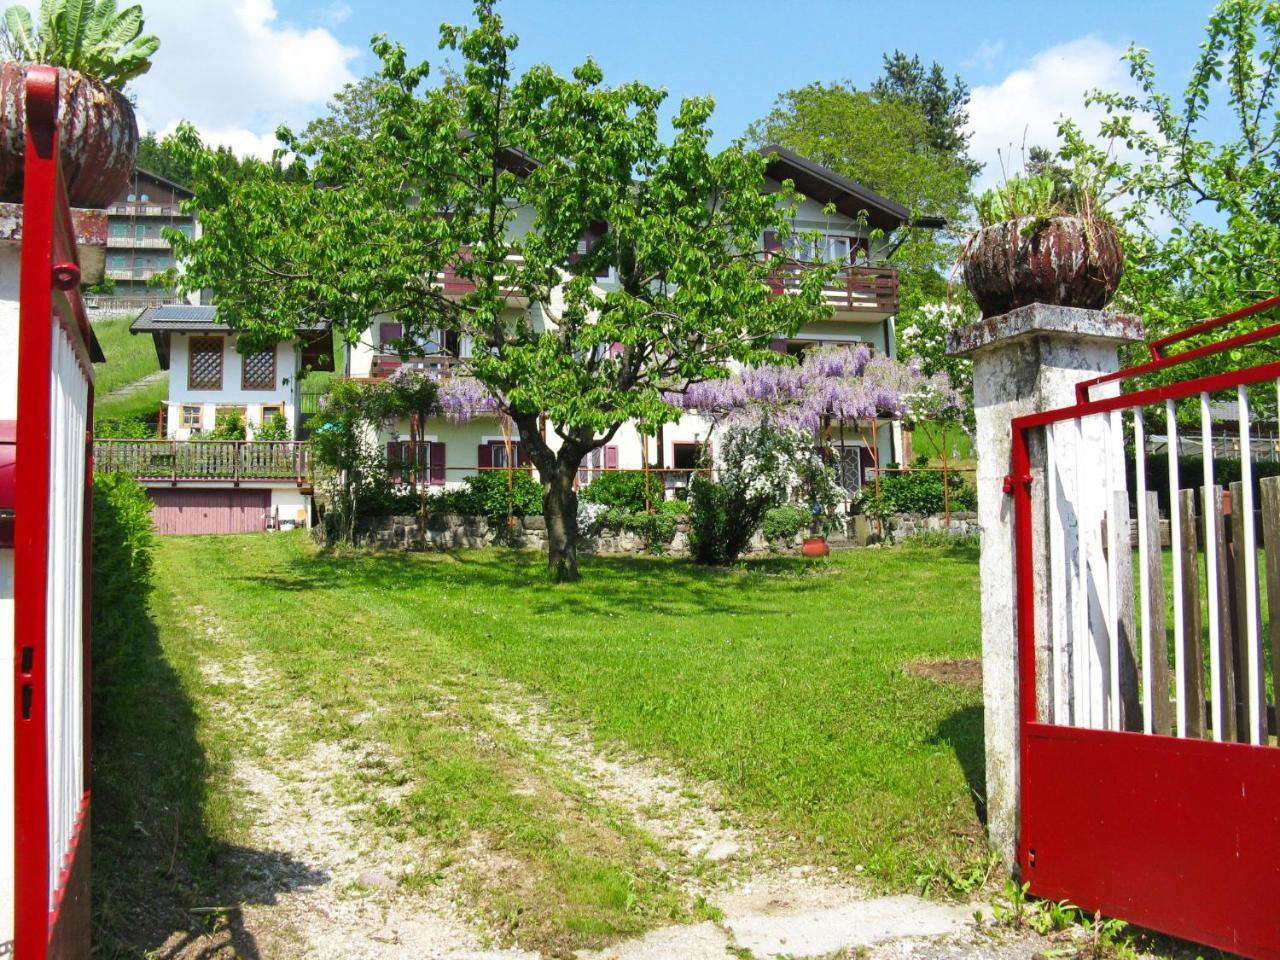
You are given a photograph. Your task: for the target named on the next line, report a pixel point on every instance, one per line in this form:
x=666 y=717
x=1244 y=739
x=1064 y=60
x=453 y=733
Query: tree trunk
x=560 y=510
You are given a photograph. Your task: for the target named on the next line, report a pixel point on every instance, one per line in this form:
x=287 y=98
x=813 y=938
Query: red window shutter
x=395 y=459
x=611 y=457
x=521 y=455
x=437 y=464
x=484 y=456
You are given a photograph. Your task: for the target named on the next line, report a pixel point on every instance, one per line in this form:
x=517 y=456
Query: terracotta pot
x=815 y=547
x=98 y=136
x=1065 y=261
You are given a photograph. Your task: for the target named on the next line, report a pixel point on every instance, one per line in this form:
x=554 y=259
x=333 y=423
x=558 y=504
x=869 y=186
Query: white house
x=863 y=300
x=204 y=485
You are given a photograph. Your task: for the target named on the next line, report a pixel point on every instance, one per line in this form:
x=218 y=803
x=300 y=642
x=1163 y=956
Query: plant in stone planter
x=1039 y=242
x=97 y=50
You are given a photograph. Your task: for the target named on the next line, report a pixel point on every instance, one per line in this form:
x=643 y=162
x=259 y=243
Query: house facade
x=200 y=479
x=863 y=299
x=137 y=250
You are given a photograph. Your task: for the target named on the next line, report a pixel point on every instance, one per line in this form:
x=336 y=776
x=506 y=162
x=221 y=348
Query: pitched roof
x=192 y=318
x=164 y=181
x=850 y=197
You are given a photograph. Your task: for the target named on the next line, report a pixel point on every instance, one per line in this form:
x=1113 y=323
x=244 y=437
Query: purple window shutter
x=771 y=242
x=437 y=464
x=484 y=456
x=395 y=459
x=611 y=457
x=389 y=331
x=778 y=346
x=615 y=349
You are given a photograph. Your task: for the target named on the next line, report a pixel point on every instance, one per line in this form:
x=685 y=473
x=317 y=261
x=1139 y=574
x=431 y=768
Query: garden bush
x=920 y=491
x=125 y=428
x=719 y=530
x=120 y=582
x=783 y=523
x=620 y=488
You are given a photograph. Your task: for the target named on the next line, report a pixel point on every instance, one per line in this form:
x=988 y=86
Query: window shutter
x=484 y=456
x=778 y=346
x=395 y=459
x=522 y=457
x=771 y=242
x=611 y=457
x=437 y=464
x=615 y=349
x=867 y=461
x=388 y=332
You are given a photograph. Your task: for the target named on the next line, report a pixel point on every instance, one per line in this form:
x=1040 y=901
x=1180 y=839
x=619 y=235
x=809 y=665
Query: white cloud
x=1024 y=107
x=236 y=71
x=986 y=54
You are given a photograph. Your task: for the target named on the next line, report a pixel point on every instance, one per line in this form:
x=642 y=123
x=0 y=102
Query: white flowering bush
x=922 y=337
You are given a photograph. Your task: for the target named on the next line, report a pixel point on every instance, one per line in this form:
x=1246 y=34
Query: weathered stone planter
x=97 y=129
x=1064 y=261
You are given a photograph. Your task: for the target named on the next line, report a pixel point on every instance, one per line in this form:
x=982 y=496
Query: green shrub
x=227 y=425
x=620 y=488
x=719 y=528
x=656 y=529
x=783 y=523
x=120 y=582
x=277 y=428
x=488 y=494
x=920 y=491
x=677 y=508
x=125 y=428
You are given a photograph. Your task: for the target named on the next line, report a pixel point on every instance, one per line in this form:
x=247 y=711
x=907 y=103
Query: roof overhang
x=848 y=196
x=164 y=321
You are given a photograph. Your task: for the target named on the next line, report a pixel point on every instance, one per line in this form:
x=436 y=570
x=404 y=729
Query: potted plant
x=1041 y=242
x=817 y=483
x=96 y=50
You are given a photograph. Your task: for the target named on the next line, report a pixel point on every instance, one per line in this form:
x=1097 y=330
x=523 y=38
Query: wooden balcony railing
x=855 y=289
x=387 y=362
x=177 y=461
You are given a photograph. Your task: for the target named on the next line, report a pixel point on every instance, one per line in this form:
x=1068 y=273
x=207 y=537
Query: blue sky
x=237 y=68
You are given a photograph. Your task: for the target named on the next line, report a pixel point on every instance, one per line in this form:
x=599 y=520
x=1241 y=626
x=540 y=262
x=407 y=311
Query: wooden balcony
x=199 y=461
x=871 y=290
x=388 y=362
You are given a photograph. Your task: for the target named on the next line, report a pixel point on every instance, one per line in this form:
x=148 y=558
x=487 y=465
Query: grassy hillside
x=129 y=357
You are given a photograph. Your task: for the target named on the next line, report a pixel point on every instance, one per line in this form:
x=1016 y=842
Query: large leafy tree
x=438 y=185
x=943 y=102
x=1197 y=185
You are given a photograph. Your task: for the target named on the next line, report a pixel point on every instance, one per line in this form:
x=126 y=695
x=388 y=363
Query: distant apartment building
x=136 y=247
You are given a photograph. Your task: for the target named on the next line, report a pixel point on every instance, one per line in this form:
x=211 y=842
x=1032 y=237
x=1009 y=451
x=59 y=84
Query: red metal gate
x=1149 y=767
x=51 y=558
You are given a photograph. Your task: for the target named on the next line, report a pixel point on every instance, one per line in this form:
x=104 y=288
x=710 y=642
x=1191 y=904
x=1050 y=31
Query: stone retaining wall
x=451 y=532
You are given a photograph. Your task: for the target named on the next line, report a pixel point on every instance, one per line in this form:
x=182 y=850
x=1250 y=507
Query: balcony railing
x=870 y=289
x=138 y=243
x=176 y=461
x=456 y=286
x=387 y=362
x=147 y=210
x=138 y=273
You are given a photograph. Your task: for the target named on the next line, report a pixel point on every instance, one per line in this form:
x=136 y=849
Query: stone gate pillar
x=1025 y=361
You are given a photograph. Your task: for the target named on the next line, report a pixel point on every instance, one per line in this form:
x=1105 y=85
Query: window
x=118 y=261
x=119 y=229
x=824 y=248
x=140 y=231
x=849 y=465
x=145 y=198
x=132 y=197
x=687 y=456
x=204 y=367
x=388 y=334
x=270 y=410
x=258 y=370
x=192 y=416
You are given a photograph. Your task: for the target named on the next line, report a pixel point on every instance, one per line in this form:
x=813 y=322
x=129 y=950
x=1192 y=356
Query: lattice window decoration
x=204 y=372
x=259 y=370
x=192 y=418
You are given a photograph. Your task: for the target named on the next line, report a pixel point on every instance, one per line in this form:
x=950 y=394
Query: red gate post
x=1026 y=361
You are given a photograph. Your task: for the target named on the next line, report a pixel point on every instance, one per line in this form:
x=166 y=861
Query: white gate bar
x=1257 y=719
x=1059 y=602
x=1211 y=521
x=1082 y=641
x=1114 y=447
x=1144 y=576
x=1175 y=544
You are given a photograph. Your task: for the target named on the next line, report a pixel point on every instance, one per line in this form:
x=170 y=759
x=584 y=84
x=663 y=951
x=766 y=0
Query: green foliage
x=123 y=541
x=919 y=491
x=1039 y=196
x=124 y=428
x=718 y=532
x=944 y=103
x=619 y=488
x=89 y=36
x=781 y=524
x=227 y=425
x=1101 y=937
x=276 y=428
x=1192 y=176
x=495 y=493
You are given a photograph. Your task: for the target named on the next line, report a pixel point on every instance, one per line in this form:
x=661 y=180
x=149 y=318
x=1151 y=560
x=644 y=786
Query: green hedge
x=783 y=523
x=921 y=491
x=486 y=494
x=123 y=540
x=619 y=488
x=1191 y=475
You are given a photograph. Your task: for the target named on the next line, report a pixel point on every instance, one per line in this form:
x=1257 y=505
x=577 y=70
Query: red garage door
x=210 y=511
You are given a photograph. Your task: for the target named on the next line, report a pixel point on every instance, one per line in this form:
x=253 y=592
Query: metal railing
x=177 y=461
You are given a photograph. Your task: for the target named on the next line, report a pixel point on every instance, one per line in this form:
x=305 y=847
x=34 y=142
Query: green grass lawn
x=129 y=357
x=780 y=681
x=929 y=440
